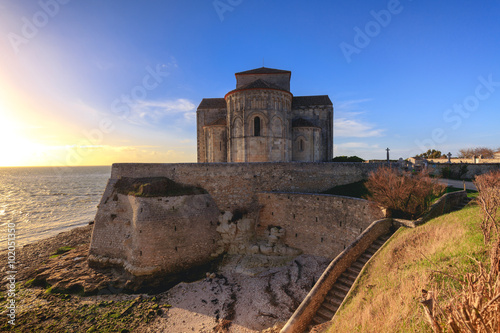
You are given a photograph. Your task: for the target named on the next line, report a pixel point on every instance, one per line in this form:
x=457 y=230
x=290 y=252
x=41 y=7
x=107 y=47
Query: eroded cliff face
x=154 y=235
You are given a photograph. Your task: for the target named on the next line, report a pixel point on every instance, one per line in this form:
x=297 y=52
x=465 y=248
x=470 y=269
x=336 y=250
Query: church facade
x=261 y=121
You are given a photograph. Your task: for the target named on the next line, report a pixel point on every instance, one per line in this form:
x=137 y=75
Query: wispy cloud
x=348 y=122
x=344 y=127
x=151 y=112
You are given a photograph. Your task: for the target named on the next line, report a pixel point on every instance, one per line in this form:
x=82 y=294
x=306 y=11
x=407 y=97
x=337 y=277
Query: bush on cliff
x=155 y=187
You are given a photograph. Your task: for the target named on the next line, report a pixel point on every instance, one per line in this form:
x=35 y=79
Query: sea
x=44 y=201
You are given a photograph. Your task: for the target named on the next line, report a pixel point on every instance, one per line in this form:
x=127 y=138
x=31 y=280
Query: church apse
x=261 y=121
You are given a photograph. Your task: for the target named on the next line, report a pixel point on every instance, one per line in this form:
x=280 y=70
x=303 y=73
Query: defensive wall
x=235 y=185
x=242 y=213
x=322 y=225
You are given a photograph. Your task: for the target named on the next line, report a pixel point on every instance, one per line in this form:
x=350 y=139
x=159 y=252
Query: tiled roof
x=264 y=70
x=301 y=122
x=212 y=103
x=311 y=100
x=218 y=122
x=258 y=84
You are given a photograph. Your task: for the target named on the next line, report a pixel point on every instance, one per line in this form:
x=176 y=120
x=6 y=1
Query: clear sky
x=95 y=82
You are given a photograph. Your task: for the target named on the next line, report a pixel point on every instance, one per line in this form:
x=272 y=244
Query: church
x=261 y=121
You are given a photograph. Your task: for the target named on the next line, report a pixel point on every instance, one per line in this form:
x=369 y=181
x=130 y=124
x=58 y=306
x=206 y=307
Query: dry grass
x=387 y=295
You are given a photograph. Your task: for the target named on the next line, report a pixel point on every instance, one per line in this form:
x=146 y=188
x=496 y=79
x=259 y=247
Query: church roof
x=218 y=122
x=311 y=100
x=264 y=70
x=212 y=103
x=257 y=84
x=301 y=122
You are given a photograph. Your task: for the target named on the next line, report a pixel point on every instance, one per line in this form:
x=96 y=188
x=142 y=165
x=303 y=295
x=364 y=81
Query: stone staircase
x=462 y=204
x=336 y=295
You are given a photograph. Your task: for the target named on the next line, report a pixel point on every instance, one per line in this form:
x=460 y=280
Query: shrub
x=488 y=186
x=347 y=159
x=404 y=194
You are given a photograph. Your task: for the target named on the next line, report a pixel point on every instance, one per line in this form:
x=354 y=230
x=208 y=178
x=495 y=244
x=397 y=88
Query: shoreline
x=50 y=294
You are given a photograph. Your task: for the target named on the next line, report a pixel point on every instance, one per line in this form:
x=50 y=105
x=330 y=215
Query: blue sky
x=97 y=82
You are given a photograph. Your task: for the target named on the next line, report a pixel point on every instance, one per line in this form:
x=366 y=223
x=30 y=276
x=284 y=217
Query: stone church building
x=261 y=121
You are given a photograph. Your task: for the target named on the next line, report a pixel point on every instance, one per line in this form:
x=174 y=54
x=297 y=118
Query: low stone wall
x=444 y=205
x=463 y=170
x=235 y=185
x=307 y=309
x=321 y=225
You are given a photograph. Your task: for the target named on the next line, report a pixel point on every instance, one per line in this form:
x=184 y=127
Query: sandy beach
x=241 y=296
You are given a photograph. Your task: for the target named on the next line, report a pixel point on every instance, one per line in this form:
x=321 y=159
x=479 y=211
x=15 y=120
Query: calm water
x=45 y=201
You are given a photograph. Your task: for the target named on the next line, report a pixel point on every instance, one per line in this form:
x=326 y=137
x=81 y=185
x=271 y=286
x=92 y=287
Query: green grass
x=387 y=294
x=61 y=250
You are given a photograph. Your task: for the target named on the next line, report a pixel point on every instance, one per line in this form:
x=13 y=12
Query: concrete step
x=336 y=293
x=349 y=276
x=334 y=300
x=366 y=256
x=372 y=249
x=358 y=265
x=344 y=281
x=330 y=307
x=325 y=314
x=352 y=271
x=341 y=287
x=317 y=320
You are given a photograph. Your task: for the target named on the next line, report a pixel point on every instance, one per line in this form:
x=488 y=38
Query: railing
x=301 y=318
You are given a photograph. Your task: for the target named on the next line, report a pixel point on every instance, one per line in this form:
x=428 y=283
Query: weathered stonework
x=261 y=121
x=154 y=235
x=321 y=225
x=235 y=185
x=170 y=234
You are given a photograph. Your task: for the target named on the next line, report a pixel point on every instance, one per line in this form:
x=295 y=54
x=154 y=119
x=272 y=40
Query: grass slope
x=387 y=294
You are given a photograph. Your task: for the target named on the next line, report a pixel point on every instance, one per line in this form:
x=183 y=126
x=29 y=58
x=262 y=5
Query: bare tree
x=488 y=186
x=478 y=151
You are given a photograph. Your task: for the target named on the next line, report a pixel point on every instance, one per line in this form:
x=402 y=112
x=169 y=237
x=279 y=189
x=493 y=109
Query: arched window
x=301 y=145
x=256 y=126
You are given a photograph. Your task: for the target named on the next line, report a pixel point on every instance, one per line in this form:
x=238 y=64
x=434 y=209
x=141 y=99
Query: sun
x=16 y=148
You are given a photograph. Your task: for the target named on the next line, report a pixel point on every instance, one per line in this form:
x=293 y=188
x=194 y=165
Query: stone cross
x=449 y=157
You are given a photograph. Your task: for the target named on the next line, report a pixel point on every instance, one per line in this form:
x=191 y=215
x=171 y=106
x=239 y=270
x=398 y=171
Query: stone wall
x=321 y=116
x=463 y=170
x=301 y=318
x=322 y=225
x=154 y=235
x=235 y=185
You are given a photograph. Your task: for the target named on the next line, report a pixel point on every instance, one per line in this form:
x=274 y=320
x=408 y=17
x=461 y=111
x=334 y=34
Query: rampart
x=322 y=225
x=235 y=185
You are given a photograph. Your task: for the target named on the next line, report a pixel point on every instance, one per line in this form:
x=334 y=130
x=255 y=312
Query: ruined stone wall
x=235 y=185
x=322 y=225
